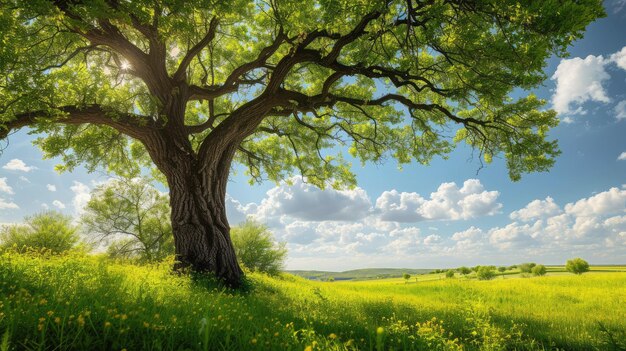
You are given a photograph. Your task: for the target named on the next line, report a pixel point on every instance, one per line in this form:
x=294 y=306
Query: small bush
x=406 y=276
x=501 y=269
x=50 y=230
x=255 y=248
x=485 y=273
x=526 y=267
x=577 y=266
x=539 y=270
x=450 y=273
x=464 y=270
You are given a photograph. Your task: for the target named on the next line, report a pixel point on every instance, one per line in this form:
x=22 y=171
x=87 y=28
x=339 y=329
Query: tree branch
x=195 y=50
x=135 y=126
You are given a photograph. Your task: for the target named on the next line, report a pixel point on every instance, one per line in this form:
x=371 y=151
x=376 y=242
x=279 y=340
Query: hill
x=359 y=274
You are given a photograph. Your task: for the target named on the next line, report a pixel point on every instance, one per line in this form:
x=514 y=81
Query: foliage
x=116 y=305
x=464 y=270
x=485 y=273
x=406 y=277
x=132 y=217
x=526 y=267
x=501 y=269
x=442 y=63
x=450 y=273
x=256 y=249
x=539 y=270
x=47 y=230
x=577 y=266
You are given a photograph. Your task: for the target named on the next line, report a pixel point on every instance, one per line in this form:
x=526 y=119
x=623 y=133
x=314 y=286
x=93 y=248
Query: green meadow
x=85 y=302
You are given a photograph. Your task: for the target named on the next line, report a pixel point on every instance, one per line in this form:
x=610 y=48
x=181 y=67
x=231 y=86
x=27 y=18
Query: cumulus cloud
x=619 y=58
x=432 y=239
x=622 y=156
x=7 y=205
x=58 y=204
x=4 y=187
x=304 y=201
x=577 y=81
x=51 y=187
x=81 y=196
x=449 y=202
x=607 y=202
x=590 y=220
x=18 y=165
x=536 y=209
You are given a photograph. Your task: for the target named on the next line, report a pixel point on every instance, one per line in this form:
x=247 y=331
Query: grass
x=81 y=302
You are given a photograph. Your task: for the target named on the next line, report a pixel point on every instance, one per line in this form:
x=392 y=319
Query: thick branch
x=135 y=126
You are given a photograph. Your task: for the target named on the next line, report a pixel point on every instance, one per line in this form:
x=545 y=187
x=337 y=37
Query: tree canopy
x=387 y=79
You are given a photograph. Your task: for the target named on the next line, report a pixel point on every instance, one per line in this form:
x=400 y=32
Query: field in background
x=424 y=274
x=84 y=302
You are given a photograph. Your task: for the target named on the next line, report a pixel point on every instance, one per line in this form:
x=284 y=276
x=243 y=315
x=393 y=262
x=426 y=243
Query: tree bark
x=198 y=205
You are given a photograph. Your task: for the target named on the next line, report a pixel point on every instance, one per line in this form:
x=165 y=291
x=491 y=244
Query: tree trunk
x=199 y=223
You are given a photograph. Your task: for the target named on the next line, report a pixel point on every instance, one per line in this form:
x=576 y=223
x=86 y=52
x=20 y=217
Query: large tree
x=276 y=85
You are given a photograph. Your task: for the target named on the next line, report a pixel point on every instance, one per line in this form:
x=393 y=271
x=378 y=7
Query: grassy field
x=80 y=302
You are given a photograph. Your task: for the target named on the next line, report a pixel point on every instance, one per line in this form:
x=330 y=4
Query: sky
x=450 y=213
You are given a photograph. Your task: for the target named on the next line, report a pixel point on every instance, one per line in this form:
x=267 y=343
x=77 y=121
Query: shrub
x=256 y=249
x=577 y=266
x=501 y=269
x=450 y=273
x=485 y=273
x=464 y=270
x=539 y=270
x=406 y=277
x=526 y=267
x=50 y=230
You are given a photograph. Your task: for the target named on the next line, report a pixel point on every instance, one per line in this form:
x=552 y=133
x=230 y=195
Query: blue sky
x=446 y=214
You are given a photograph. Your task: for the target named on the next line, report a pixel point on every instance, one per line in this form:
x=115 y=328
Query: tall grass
x=81 y=302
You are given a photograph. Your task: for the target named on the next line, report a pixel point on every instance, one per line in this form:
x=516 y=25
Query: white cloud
x=605 y=203
x=7 y=205
x=432 y=239
x=622 y=156
x=81 y=196
x=577 y=81
x=45 y=206
x=514 y=235
x=620 y=110
x=536 y=209
x=619 y=58
x=400 y=207
x=4 y=187
x=24 y=179
x=589 y=221
x=449 y=202
x=51 y=187
x=58 y=204
x=18 y=165
x=304 y=201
